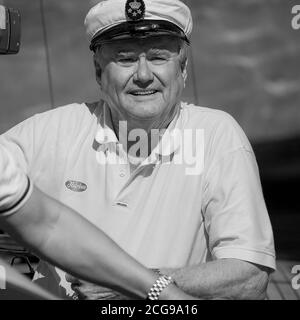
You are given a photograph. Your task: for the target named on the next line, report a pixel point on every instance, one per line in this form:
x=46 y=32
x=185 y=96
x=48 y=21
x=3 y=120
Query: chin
x=143 y=112
x=147 y=114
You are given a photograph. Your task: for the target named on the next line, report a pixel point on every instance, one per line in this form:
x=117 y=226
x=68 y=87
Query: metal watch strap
x=160 y=284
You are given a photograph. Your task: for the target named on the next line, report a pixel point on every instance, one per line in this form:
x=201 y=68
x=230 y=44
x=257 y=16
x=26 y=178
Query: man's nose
x=143 y=73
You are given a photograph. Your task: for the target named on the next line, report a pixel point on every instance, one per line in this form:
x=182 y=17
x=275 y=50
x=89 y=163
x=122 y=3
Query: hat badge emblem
x=135 y=9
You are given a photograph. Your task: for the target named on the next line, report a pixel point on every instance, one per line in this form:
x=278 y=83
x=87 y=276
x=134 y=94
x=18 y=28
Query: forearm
x=102 y=261
x=222 y=279
x=61 y=236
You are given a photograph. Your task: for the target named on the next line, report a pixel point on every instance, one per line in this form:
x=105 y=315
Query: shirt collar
x=105 y=134
x=169 y=144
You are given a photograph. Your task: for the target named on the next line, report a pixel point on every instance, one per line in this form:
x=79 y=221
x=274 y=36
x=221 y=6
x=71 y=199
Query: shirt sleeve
x=235 y=213
x=20 y=142
x=15 y=186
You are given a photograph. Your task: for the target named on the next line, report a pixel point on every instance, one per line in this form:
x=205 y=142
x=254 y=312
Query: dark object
x=10 y=30
x=17 y=255
x=141 y=29
x=24 y=259
x=135 y=10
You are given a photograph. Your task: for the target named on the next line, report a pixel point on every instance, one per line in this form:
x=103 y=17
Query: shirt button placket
x=122 y=173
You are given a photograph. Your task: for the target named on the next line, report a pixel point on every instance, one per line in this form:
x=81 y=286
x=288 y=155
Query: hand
x=89 y=291
x=172 y=292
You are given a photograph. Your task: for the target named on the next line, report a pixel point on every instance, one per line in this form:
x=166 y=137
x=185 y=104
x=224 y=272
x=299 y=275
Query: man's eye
x=126 y=60
x=158 y=59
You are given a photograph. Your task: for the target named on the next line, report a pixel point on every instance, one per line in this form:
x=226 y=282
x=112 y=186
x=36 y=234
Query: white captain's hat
x=121 y=19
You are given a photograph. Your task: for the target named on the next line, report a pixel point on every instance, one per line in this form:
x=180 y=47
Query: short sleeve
x=235 y=214
x=15 y=186
x=20 y=142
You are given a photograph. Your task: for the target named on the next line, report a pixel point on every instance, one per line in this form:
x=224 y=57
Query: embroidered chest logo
x=76 y=186
x=135 y=9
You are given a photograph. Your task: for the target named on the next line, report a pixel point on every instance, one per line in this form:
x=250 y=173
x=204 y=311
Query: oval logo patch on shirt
x=76 y=186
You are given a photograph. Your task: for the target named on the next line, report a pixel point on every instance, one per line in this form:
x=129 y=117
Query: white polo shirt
x=168 y=213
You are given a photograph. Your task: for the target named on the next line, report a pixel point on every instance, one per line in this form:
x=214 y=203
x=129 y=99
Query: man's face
x=141 y=79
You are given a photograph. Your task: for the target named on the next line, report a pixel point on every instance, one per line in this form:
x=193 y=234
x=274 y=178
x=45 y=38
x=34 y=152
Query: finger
x=79 y=294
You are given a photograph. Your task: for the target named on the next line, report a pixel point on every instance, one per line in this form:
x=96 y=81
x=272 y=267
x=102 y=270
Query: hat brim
x=137 y=30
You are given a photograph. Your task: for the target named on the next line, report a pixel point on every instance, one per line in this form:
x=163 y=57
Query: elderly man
x=175 y=185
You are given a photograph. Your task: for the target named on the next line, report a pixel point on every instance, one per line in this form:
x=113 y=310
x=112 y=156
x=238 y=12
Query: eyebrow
x=124 y=52
x=151 y=51
x=159 y=50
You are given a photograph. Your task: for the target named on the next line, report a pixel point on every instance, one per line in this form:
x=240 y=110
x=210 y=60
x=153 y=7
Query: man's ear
x=184 y=70
x=97 y=69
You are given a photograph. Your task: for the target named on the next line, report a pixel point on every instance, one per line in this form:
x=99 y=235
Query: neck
x=150 y=128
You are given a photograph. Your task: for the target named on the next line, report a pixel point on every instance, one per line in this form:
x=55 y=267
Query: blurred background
x=244 y=59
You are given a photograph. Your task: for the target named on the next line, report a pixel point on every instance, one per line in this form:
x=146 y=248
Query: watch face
x=135 y=10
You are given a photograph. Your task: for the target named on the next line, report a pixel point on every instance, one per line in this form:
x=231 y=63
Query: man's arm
x=220 y=279
x=223 y=279
x=64 y=238
x=61 y=236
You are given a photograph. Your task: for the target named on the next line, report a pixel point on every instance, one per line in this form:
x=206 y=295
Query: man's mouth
x=143 y=92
